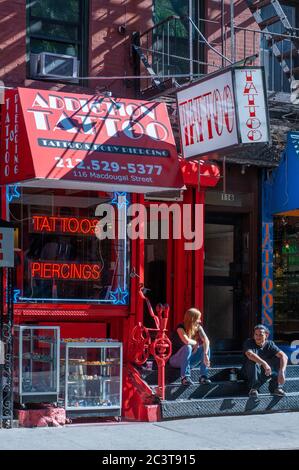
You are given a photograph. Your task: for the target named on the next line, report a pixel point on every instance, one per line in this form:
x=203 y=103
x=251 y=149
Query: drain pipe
x=190 y=42
x=232 y=31
x=222 y=31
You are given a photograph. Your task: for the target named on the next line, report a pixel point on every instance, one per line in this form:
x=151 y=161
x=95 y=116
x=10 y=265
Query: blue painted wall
x=285 y=193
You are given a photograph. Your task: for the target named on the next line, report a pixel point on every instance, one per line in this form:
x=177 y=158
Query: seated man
x=263 y=361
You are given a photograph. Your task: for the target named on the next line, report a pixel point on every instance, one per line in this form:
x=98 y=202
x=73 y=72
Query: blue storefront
x=280 y=245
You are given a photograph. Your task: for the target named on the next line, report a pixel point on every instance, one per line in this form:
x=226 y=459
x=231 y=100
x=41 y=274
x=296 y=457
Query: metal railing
x=176 y=47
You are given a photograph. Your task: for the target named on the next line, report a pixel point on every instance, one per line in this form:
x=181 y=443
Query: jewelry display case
x=91 y=377
x=36 y=364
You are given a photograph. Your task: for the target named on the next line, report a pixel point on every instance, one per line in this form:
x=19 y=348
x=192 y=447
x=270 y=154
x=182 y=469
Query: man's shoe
x=204 y=380
x=186 y=381
x=279 y=392
x=253 y=393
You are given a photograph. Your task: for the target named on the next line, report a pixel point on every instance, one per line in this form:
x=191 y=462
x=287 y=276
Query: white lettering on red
x=96 y=114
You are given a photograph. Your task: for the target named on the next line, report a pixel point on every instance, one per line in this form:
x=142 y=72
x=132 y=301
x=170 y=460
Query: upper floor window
x=276 y=78
x=57 y=27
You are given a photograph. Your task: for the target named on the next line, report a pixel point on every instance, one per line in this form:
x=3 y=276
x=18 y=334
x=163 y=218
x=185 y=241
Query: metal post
x=198 y=180
x=6 y=323
x=232 y=31
x=222 y=32
x=136 y=62
x=1 y=302
x=224 y=175
x=190 y=42
x=1 y=339
x=7 y=392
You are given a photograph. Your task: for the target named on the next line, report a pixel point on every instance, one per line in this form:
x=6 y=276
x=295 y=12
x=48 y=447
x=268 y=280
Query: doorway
x=155 y=275
x=226 y=281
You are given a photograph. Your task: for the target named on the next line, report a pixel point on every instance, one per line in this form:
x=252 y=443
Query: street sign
x=222 y=112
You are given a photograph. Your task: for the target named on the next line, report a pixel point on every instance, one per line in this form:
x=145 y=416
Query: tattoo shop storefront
x=67 y=161
x=281 y=247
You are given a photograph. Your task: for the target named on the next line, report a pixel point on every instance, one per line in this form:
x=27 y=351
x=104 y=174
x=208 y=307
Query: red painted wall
x=110 y=51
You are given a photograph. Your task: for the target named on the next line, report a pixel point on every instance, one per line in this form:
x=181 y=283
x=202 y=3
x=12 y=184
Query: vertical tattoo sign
x=267 y=274
x=10 y=136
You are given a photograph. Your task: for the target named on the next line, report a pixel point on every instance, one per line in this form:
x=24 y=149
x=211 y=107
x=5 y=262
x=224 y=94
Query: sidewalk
x=272 y=431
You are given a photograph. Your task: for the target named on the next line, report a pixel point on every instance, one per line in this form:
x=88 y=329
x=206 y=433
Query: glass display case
x=92 y=376
x=36 y=364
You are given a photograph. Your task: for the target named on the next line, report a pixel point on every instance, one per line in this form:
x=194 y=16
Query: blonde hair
x=191 y=318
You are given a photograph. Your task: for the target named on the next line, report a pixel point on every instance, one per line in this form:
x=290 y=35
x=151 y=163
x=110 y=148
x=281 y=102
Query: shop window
x=57 y=27
x=58 y=255
x=286 y=276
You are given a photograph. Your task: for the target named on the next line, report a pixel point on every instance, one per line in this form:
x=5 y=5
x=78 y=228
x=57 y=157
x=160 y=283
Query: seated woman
x=187 y=353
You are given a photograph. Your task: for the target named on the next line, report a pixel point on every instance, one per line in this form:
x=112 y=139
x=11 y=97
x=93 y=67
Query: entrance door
x=225 y=289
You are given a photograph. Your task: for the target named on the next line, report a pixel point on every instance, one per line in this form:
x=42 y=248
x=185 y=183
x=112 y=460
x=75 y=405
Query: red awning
x=209 y=173
x=55 y=139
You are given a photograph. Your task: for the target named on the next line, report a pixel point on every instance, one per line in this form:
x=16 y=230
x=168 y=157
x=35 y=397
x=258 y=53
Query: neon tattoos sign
x=68 y=225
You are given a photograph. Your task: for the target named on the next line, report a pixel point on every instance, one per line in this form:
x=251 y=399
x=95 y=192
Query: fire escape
x=176 y=52
x=269 y=15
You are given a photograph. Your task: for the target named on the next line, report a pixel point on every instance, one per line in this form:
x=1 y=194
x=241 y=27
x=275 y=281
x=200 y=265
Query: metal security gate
x=6 y=351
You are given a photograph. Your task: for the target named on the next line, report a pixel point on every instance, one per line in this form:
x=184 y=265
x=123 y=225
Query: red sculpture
x=142 y=345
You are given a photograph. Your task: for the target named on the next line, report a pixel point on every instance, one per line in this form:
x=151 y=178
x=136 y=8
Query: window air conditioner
x=49 y=65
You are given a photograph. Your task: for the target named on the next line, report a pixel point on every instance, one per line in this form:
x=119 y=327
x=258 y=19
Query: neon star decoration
x=119 y=296
x=12 y=192
x=120 y=199
x=16 y=295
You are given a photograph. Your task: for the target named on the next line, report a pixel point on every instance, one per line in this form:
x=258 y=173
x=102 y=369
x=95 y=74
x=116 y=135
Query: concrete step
x=216 y=374
x=215 y=389
x=291 y=385
x=223 y=359
x=174 y=409
x=220 y=389
x=172 y=375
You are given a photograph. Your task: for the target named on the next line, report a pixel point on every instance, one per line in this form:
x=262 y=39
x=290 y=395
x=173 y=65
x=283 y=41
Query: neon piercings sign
x=65 y=271
x=68 y=225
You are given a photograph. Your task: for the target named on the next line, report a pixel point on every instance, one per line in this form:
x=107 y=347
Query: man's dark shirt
x=266 y=352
